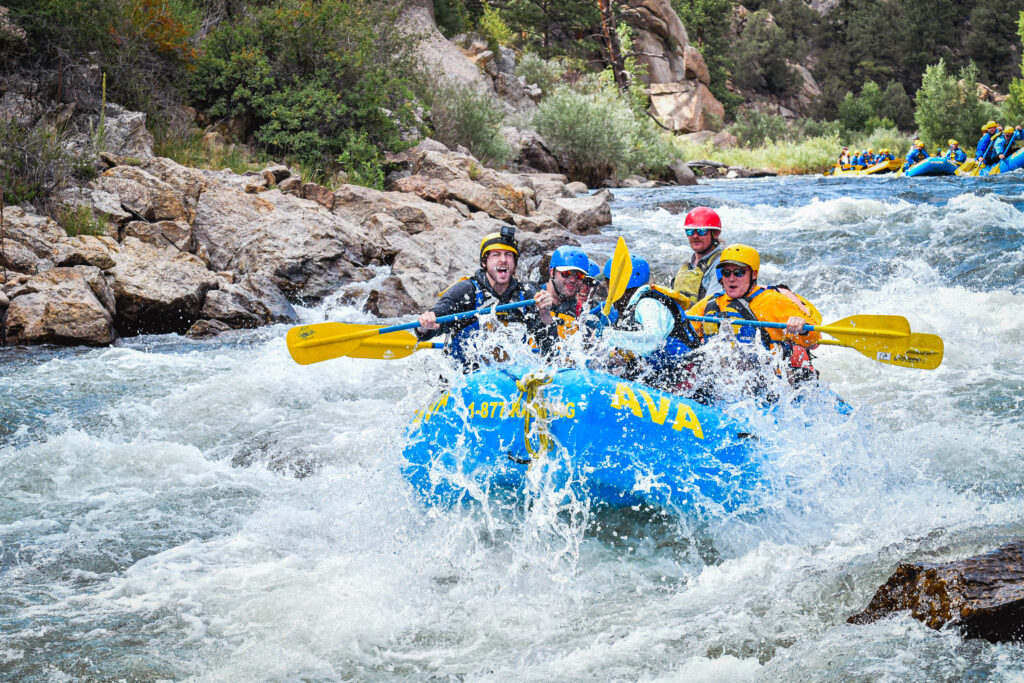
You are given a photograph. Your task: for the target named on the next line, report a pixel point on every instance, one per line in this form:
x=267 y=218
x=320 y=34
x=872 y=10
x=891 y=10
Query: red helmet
x=703 y=217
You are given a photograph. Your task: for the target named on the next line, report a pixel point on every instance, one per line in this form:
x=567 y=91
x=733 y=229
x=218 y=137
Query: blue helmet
x=641 y=274
x=570 y=258
x=594 y=271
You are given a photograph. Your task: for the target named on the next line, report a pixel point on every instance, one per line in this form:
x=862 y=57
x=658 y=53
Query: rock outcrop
x=981 y=596
x=188 y=250
x=676 y=71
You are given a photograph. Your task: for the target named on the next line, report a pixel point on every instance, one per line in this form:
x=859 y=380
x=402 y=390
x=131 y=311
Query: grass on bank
x=814 y=154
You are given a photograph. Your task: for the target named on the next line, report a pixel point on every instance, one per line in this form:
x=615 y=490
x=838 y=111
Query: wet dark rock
x=981 y=596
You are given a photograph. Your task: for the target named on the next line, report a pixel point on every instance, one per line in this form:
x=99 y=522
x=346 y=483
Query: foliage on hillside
x=327 y=82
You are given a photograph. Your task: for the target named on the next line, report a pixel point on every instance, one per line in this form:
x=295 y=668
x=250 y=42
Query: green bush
x=143 y=45
x=464 y=116
x=754 y=128
x=593 y=133
x=80 y=220
x=544 y=73
x=763 y=50
x=33 y=165
x=325 y=82
x=948 y=105
x=494 y=28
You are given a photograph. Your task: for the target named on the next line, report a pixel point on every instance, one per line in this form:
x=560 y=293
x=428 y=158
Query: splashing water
x=210 y=510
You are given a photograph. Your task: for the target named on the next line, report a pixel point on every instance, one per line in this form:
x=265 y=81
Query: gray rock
x=302 y=247
x=581 y=215
x=157 y=290
x=682 y=173
x=206 y=329
x=125 y=134
x=253 y=301
x=62 y=306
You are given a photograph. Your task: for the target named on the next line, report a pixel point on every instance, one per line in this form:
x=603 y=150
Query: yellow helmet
x=990 y=124
x=870 y=151
x=952 y=142
x=919 y=144
x=1008 y=129
x=506 y=239
x=743 y=255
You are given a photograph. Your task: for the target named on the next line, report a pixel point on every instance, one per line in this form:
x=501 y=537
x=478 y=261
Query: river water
x=175 y=509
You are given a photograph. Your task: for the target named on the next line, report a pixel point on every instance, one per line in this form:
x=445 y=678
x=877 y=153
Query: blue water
x=177 y=510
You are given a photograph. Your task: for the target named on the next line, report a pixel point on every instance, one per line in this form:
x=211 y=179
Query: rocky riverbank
x=194 y=251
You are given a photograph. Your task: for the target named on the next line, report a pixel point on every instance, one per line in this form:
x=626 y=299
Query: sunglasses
x=699 y=231
x=733 y=272
x=571 y=274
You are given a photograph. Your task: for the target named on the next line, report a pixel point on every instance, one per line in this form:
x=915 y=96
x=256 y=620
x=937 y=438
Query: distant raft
x=932 y=166
x=611 y=441
x=881 y=168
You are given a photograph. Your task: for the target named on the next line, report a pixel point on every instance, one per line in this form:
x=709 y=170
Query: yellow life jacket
x=689 y=278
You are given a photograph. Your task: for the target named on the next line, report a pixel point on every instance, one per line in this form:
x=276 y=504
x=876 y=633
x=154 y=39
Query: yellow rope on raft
x=532 y=405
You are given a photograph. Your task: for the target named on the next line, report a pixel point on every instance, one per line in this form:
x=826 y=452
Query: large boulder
x=356 y=203
x=580 y=215
x=981 y=596
x=157 y=290
x=304 y=248
x=252 y=301
x=146 y=196
x=62 y=306
x=441 y=58
x=531 y=152
x=124 y=133
x=676 y=71
x=686 y=106
x=31 y=242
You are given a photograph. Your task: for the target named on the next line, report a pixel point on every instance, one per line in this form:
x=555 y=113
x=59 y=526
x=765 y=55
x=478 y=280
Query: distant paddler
x=916 y=154
x=989 y=131
x=954 y=153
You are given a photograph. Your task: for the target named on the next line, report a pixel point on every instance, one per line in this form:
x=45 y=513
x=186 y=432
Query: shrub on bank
x=597 y=135
x=464 y=116
x=329 y=82
x=810 y=155
x=33 y=164
x=591 y=132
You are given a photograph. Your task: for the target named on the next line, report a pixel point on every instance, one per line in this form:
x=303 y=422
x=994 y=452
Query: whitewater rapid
x=175 y=509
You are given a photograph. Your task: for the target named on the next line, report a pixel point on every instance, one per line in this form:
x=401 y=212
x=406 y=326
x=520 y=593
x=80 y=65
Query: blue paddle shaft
x=460 y=316
x=740 y=321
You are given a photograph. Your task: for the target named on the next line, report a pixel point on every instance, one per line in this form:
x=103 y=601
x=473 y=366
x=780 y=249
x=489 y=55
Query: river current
x=211 y=511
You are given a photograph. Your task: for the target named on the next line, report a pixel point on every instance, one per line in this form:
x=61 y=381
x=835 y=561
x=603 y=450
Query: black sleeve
x=458 y=298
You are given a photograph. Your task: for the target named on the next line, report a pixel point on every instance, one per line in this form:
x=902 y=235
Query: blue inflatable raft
x=1010 y=163
x=932 y=166
x=609 y=440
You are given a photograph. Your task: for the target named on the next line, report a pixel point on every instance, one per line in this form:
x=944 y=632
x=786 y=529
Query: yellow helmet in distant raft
x=741 y=254
x=990 y=124
x=952 y=142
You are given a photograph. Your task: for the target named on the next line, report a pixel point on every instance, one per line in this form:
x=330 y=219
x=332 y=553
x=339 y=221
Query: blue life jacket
x=914 y=156
x=1003 y=146
x=459 y=345
x=956 y=155
x=983 y=144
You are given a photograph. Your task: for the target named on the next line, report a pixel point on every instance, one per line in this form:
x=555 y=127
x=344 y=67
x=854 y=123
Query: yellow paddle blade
x=871 y=333
x=968 y=167
x=387 y=346
x=622 y=269
x=924 y=352
x=314 y=343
